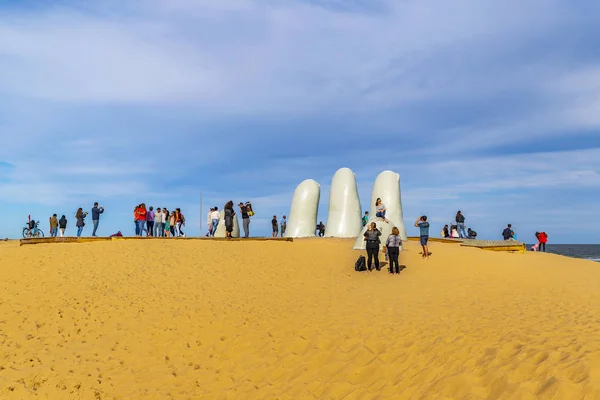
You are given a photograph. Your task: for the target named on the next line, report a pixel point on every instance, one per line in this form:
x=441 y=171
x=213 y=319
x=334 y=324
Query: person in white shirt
x=209 y=222
x=215 y=216
x=159 y=222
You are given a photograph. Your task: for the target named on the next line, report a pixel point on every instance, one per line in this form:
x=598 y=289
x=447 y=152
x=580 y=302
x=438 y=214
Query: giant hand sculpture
x=344 y=220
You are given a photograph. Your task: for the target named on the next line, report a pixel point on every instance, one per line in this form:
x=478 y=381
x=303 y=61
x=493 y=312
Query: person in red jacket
x=139 y=215
x=542 y=239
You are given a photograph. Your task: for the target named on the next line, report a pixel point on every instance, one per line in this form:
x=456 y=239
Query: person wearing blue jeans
x=80 y=217
x=460 y=225
x=380 y=209
x=96 y=211
x=216 y=216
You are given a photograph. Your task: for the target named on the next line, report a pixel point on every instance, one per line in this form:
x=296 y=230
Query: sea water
x=585 y=251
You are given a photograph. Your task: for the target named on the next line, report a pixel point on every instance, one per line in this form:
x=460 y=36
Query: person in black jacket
x=460 y=225
x=62 y=225
x=372 y=238
x=229 y=213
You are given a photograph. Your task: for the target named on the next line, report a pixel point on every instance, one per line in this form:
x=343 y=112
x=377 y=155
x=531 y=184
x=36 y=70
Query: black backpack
x=361 y=264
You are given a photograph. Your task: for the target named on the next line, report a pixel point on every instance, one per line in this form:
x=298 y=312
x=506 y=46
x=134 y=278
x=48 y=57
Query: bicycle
x=27 y=233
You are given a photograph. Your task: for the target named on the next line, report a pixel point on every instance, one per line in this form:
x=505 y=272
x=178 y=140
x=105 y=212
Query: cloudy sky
x=491 y=107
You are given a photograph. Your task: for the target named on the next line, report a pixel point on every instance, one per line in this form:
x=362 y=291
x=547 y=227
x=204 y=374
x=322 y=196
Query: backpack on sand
x=361 y=264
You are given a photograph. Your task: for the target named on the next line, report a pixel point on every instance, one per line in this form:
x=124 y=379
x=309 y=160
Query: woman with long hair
x=80 y=217
x=167 y=217
x=380 y=209
x=172 y=222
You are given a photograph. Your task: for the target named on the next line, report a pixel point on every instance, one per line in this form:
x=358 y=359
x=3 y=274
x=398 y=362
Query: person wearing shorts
x=423 y=226
x=275 y=226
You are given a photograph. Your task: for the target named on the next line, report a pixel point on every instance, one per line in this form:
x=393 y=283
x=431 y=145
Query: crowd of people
x=159 y=223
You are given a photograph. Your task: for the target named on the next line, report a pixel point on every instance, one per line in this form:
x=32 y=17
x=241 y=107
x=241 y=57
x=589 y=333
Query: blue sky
x=485 y=106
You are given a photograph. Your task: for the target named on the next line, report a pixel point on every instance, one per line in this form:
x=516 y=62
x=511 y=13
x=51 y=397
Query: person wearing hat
x=245 y=219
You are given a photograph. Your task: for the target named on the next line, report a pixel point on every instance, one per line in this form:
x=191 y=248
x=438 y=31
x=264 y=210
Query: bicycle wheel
x=39 y=234
x=25 y=233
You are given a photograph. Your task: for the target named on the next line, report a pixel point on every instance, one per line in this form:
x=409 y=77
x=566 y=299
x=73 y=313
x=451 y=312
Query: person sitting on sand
x=381 y=210
x=508 y=233
x=229 y=213
x=372 y=238
x=471 y=234
x=454 y=230
x=445 y=232
x=423 y=226
x=392 y=249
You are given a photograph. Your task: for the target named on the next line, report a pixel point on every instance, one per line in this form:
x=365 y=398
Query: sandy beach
x=185 y=319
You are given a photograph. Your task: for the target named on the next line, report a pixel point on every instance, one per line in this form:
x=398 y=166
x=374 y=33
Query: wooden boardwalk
x=108 y=239
x=492 y=245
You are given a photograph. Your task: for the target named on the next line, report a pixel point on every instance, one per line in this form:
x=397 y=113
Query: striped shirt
x=393 y=241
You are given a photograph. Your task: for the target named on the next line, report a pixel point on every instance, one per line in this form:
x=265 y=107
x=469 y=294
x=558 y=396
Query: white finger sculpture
x=344 y=220
x=220 y=232
x=302 y=220
x=386 y=187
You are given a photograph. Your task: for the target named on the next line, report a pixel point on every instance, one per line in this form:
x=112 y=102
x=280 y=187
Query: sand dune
x=265 y=320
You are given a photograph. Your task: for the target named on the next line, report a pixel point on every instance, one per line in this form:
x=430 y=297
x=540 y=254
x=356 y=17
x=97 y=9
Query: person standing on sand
x=62 y=224
x=283 y=225
x=158 y=222
x=460 y=225
x=209 y=222
x=180 y=222
x=80 y=217
x=371 y=236
x=508 y=233
x=53 y=225
x=139 y=218
x=542 y=240
x=150 y=218
x=392 y=247
x=215 y=216
x=275 y=226
x=245 y=219
x=381 y=210
x=423 y=226
x=96 y=211
x=229 y=213
x=172 y=223
x=167 y=231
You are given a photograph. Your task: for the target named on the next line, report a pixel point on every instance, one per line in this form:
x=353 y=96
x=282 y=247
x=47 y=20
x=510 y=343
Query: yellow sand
x=142 y=319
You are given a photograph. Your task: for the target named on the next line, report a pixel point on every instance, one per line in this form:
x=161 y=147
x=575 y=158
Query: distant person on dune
x=180 y=222
x=245 y=219
x=542 y=238
x=167 y=232
x=423 y=226
x=139 y=217
x=445 y=232
x=173 y=223
x=54 y=225
x=96 y=211
x=508 y=233
x=274 y=226
x=321 y=229
x=62 y=224
x=215 y=216
x=381 y=210
x=80 y=217
x=371 y=236
x=283 y=225
x=454 y=230
x=209 y=222
x=150 y=219
x=392 y=248
x=229 y=214
x=460 y=225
